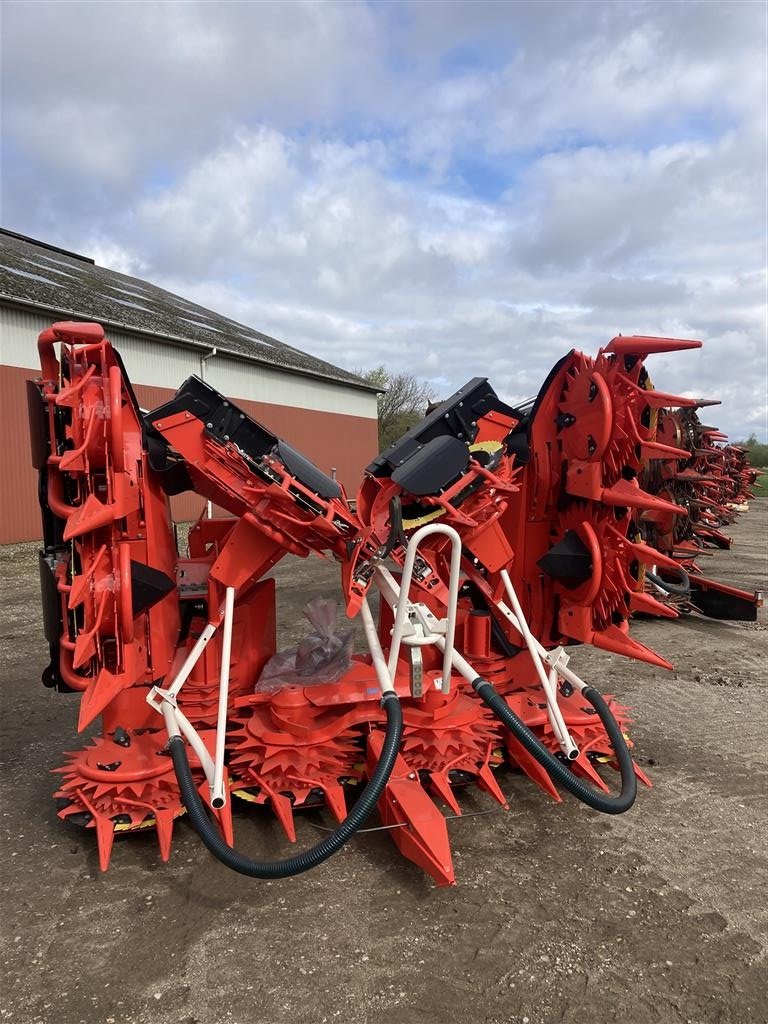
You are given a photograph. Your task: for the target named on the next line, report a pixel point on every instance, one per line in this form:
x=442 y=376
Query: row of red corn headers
x=494 y=536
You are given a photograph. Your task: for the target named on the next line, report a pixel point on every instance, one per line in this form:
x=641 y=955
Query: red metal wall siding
x=328 y=439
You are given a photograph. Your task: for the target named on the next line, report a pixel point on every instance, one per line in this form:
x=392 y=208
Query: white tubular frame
x=177 y=723
x=403 y=603
x=218 y=793
x=556 y=661
x=381 y=668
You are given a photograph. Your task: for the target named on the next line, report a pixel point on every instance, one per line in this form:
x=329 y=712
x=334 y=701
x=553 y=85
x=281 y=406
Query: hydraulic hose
x=681 y=589
x=554 y=767
x=310 y=858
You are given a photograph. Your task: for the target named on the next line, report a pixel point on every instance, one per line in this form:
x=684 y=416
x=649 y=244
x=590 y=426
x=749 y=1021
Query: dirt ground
x=560 y=913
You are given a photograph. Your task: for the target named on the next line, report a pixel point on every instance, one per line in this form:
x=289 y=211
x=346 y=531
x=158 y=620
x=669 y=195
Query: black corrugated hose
x=681 y=589
x=554 y=767
x=365 y=803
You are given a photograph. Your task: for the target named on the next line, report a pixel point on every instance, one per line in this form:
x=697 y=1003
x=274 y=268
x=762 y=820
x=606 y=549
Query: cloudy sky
x=449 y=188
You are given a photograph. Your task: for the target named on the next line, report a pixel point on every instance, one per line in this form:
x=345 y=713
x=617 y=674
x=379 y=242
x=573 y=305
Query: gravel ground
x=560 y=914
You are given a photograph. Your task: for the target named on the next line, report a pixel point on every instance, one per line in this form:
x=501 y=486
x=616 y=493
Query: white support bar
x=403 y=604
x=460 y=663
x=192 y=659
x=548 y=680
x=176 y=722
x=218 y=794
x=557 y=659
x=195 y=741
x=386 y=681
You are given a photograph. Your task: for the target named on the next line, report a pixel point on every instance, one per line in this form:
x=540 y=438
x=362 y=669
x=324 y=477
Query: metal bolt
x=209 y=426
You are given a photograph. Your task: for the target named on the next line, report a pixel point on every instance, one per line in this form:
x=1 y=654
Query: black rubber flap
x=38 y=425
x=306 y=472
x=717 y=605
x=51 y=601
x=439 y=464
x=569 y=561
x=148 y=586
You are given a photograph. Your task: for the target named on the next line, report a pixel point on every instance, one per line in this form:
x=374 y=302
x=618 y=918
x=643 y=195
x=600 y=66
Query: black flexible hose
x=396 y=535
x=555 y=768
x=681 y=589
x=316 y=854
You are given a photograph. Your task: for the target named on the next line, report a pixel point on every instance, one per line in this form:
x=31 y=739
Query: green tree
x=402 y=402
x=758 y=452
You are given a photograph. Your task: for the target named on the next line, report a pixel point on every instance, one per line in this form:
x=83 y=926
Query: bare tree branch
x=402 y=402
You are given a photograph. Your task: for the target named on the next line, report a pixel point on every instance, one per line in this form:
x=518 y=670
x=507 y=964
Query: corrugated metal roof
x=37 y=274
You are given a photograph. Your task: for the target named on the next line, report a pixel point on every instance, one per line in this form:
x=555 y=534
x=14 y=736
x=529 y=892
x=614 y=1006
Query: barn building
x=325 y=412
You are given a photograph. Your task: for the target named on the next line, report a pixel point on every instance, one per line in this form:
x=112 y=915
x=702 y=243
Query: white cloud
x=450 y=188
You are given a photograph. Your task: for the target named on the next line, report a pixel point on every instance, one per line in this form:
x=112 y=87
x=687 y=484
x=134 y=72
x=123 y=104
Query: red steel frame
x=559 y=502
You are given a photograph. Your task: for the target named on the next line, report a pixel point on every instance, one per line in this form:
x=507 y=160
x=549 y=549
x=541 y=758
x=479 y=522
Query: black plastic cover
x=455 y=417
x=439 y=464
x=223 y=420
x=148 y=586
x=569 y=561
x=307 y=472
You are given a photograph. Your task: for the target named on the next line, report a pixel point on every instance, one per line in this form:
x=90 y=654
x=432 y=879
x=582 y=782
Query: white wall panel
x=150 y=361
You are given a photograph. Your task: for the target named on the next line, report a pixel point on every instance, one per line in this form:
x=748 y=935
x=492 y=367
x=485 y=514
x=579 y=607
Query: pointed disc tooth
x=639 y=602
x=643 y=345
x=583 y=766
x=531 y=767
x=656 y=450
x=442 y=786
x=72 y=808
x=104 y=688
x=641 y=775
x=224 y=820
x=105 y=836
x=85 y=648
x=652 y=556
x=78 y=590
x=664 y=400
x=629 y=493
x=617 y=641
x=283 y=808
x=488 y=782
x=334 y=797
x=223 y=815
x=164 y=826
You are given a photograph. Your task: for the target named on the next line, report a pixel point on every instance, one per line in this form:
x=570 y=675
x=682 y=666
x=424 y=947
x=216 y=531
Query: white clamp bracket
x=414 y=624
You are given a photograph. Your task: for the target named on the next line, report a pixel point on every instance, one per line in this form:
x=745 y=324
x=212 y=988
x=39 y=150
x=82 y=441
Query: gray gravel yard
x=560 y=914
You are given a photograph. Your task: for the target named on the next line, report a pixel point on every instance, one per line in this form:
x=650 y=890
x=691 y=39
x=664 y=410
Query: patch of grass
x=760 y=487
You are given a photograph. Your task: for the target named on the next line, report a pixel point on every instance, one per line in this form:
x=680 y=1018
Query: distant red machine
x=495 y=537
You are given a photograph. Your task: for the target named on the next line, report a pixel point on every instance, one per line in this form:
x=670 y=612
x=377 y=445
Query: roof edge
x=47 y=245
x=12 y=300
